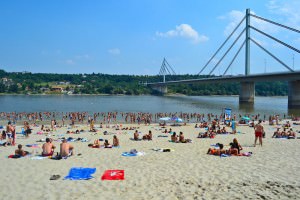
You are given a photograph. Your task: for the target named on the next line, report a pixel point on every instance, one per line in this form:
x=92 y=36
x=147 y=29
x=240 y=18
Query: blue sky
x=133 y=36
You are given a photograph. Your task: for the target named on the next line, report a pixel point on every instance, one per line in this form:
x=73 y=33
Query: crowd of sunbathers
x=234 y=149
x=106 y=144
x=285 y=133
x=48 y=148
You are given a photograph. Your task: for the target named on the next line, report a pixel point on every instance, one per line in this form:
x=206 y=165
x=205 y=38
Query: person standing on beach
x=11 y=134
x=259 y=130
x=233 y=126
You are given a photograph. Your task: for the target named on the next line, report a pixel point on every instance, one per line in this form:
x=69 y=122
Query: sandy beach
x=272 y=172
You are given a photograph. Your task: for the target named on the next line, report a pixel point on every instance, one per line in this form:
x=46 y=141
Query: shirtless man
x=9 y=133
x=136 y=135
x=259 y=130
x=48 y=148
x=20 y=152
x=66 y=149
x=115 y=141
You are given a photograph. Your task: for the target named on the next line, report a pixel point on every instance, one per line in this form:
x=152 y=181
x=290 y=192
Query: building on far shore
x=57 y=89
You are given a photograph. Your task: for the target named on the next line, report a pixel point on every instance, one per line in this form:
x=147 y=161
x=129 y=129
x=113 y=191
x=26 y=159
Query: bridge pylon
x=294 y=94
x=165 y=69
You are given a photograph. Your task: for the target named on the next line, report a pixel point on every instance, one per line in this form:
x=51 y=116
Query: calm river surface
x=153 y=104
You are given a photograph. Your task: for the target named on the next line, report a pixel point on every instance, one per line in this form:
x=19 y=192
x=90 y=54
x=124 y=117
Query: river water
x=153 y=104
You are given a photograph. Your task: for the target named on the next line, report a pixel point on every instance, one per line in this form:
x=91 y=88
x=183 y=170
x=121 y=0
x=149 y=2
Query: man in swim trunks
x=66 y=149
x=48 y=148
x=259 y=129
x=9 y=133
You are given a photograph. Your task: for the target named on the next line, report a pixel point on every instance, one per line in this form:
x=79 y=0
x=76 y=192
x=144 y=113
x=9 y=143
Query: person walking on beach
x=259 y=130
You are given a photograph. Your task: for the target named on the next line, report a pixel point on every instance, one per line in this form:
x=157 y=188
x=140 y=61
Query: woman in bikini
x=235 y=147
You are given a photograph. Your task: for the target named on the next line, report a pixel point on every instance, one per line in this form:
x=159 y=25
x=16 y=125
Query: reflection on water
x=153 y=104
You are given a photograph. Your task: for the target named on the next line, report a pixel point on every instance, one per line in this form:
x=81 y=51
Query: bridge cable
x=277 y=40
x=170 y=67
x=227 y=51
x=235 y=57
x=222 y=44
x=278 y=24
x=272 y=55
x=163 y=68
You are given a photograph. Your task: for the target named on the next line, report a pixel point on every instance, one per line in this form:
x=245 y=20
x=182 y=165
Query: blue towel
x=128 y=154
x=79 y=173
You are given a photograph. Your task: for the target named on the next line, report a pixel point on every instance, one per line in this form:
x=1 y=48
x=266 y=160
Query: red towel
x=113 y=175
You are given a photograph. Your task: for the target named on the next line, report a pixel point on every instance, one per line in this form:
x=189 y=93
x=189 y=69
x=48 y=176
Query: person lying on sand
x=216 y=151
x=48 y=148
x=66 y=149
x=20 y=152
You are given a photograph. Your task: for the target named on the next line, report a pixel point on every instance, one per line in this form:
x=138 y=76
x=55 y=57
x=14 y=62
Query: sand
x=272 y=172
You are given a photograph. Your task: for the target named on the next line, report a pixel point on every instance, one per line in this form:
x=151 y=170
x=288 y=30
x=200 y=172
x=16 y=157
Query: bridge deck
x=282 y=76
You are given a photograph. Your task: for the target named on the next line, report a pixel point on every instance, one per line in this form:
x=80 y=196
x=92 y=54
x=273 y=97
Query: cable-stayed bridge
x=247 y=81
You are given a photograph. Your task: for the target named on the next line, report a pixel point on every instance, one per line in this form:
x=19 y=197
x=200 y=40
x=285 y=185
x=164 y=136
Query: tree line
x=37 y=83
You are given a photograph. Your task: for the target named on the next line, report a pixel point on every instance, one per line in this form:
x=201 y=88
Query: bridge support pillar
x=247 y=92
x=294 y=94
x=163 y=89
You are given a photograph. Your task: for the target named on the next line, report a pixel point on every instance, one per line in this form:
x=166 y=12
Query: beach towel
x=162 y=136
x=38 y=157
x=246 y=154
x=32 y=145
x=113 y=175
x=163 y=149
x=130 y=154
x=80 y=173
x=14 y=156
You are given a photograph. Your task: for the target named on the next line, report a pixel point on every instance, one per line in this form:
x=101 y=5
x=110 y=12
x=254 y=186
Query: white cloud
x=83 y=57
x=185 y=31
x=235 y=16
x=288 y=10
x=114 y=51
x=69 y=62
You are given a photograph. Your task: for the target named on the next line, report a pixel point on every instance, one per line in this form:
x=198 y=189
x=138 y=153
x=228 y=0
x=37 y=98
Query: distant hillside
x=44 y=83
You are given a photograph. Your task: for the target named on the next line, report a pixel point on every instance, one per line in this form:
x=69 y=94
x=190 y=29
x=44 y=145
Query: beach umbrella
x=176 y=119
x=245 y=118
x=165 y=119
